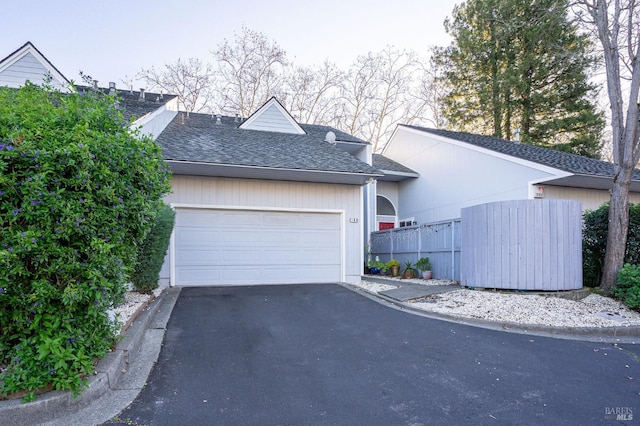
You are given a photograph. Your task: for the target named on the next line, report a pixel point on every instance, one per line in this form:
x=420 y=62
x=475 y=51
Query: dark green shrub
x=78 y=193
x=627 y=288
x=594 y=241
x=153 y=250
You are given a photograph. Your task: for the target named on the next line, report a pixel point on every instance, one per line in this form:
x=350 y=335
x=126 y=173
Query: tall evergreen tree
x=521 y=65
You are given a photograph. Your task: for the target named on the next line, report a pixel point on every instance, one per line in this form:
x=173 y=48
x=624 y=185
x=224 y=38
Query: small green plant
x=424 y=264
x=627 y=288
x=153 y=250
x=378 y=264
x=407 y=272
x=393 y=263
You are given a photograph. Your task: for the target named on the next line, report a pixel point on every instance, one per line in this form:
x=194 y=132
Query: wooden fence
x=439 y=241
x=524 y=245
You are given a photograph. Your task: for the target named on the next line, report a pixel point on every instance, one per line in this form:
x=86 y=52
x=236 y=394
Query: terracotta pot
x=426 y=275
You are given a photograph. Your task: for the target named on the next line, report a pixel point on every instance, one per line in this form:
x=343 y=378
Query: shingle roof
x=197 y=138
x=383 y=163
x=132 y=105
x=321 y=132
x=571 y=163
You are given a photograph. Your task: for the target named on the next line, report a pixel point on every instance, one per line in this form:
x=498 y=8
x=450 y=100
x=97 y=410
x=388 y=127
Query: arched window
x=384 y=206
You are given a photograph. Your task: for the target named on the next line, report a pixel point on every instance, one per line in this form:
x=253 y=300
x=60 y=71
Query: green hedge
x=594 y=241
x=153 y=250
x=78 y=193
x=627 y=288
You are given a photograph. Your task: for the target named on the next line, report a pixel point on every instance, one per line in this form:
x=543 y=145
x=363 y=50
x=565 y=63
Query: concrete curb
x=108 y=373
x=604 y=334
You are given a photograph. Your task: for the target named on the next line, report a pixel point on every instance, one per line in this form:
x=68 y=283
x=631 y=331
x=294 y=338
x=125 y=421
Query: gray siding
x=26 y=68
x=272 y=120
x=522 y=245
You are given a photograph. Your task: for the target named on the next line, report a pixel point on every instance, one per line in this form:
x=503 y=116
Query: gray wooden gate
x=525 y=244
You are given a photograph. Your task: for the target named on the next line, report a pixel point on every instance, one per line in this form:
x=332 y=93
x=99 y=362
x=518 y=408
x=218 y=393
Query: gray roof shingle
x=383 y=163
x=197 y=138
x=132 y=105
x=571 y=163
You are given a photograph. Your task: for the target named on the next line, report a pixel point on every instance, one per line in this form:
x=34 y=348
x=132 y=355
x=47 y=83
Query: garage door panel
x=308 y=221
x=191 y=237
x=231 y=247
x=242 y=238
x=240 y=256
x=233 y=219
x=197 y=219
x=198 y=275
x=199 y=257
x=288 y=237
x=280 y=220
x=321 y=257
x=322 y=239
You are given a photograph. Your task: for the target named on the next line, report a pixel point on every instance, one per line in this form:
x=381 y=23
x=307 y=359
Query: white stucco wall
x=210 y=191
x=453 y=176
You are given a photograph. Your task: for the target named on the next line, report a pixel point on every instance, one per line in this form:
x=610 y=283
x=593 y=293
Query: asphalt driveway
x=322 y=354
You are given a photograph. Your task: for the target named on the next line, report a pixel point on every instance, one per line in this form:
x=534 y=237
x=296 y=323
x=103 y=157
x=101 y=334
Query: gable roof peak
x=272 y=116
x=30 y=49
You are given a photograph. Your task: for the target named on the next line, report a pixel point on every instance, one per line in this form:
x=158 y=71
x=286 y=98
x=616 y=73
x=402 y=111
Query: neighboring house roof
x=586 y=172
x=393 y=171
x=203 y=144
x=272 y=117
x=321 y=132
x=135 y=105
x=28 y=63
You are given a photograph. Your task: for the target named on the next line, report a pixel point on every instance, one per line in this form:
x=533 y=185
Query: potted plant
x=394 y=266
x=377 y=266
x=408 y=270
x=425 y=266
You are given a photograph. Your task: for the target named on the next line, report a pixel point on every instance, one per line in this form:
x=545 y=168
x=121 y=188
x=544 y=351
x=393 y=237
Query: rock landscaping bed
x=511 y=307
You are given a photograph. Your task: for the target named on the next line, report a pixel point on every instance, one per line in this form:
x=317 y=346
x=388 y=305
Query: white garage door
x=231 y=247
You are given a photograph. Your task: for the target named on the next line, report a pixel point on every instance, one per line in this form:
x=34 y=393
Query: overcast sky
x=113 y=39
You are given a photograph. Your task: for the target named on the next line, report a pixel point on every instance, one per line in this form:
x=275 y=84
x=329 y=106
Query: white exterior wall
x=453 y=176
x=155 y=122
x=591 y=198
x=27 y=68
x=274 y=195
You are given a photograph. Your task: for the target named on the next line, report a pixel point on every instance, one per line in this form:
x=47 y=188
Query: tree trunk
x=618 y=229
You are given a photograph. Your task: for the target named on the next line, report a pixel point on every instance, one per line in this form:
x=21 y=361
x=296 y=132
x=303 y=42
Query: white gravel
x=133 y=302
x=592 y=311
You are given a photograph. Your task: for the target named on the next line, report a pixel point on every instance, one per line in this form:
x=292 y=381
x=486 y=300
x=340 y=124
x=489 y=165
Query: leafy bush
x=392 y=263
x=424 y=264
x=153 y=250
x=627 y=288
x=594 y=241
x=78 y=193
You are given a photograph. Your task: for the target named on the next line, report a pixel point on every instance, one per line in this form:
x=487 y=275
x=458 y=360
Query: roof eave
x=180 y=167
x=586 y=181
x=394 y=176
